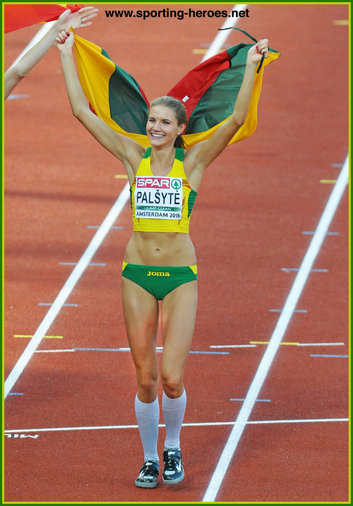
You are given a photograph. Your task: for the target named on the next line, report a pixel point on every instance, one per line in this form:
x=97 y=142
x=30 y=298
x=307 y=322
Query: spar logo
x=161 y=183
x=176 y=184
x=153 y=182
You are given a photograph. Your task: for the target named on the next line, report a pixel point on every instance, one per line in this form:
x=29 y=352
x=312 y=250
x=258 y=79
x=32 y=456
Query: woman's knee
x=147 y=382
x=172 y=385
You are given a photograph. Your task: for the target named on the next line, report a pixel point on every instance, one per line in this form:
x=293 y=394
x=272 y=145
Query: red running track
x=255 y=204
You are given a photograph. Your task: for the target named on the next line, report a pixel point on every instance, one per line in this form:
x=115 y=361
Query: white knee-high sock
x=173 y=411
x=147 y=415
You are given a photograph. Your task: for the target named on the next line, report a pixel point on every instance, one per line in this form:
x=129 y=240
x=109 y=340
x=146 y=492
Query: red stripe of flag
x=196 y=82
x=19 y=16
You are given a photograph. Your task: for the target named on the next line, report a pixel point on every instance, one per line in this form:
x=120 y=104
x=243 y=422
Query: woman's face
x=162 y=126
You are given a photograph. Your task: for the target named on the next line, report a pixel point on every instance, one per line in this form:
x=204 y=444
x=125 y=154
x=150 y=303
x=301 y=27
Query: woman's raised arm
x=201 y=155
x=127 y=150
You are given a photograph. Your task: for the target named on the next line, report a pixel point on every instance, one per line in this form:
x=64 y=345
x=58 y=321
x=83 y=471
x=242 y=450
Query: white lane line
x=14 y=96
x=322 y=355
x=296 y=269
x=320 y=344
x=51 y=303
x=158 y=349
x=223 y=35
x=306 y=232
x=68 y=350
x=220 y=346
x=278 y=334
x=191 y=424
x=232 y=345
x=66 y=289
x=92 y=264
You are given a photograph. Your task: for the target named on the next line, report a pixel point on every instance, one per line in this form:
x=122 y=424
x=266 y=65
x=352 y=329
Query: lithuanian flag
x=208 y=92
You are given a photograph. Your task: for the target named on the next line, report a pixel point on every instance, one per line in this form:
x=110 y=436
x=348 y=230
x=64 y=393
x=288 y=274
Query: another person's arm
x=67 y=19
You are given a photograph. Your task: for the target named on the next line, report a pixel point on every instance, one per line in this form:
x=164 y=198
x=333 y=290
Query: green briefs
x=157 y=280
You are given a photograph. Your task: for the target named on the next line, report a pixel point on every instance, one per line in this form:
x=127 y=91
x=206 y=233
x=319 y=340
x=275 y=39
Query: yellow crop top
x=161 y=203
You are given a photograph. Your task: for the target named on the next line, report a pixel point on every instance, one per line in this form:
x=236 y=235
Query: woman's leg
x=178 y=323
x=140 y=310
x=141 y=321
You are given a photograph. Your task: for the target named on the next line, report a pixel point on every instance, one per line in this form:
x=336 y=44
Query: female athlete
x=160 y=260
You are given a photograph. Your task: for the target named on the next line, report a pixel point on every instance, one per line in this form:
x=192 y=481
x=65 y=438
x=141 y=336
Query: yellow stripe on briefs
x=124 y=265
x=193 y=268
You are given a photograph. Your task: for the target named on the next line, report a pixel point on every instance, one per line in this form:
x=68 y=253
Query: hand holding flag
x=61 y=39
x=256 y=52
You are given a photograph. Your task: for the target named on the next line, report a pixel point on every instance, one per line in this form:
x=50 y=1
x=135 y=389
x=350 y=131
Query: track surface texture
x=70 y=428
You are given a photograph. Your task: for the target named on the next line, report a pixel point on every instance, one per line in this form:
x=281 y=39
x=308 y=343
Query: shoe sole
x=145 y=485
x=174 y=482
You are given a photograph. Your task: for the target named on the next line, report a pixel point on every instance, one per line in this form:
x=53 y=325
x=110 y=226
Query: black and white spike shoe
x=148 y=475
x=173 y=471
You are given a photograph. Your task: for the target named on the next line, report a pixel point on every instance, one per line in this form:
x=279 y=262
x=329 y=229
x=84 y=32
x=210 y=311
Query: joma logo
x=152 y=273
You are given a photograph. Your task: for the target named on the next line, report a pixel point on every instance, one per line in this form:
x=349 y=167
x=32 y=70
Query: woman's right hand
x=255 y=52
x=65 y=41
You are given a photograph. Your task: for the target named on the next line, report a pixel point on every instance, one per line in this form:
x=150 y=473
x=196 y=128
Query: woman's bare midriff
x=160 y=248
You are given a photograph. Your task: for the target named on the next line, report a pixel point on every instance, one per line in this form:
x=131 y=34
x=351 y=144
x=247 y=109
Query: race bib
x=159 y=197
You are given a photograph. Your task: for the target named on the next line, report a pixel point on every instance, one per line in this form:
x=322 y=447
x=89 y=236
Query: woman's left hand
x=255 y=52
x=61 y=43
